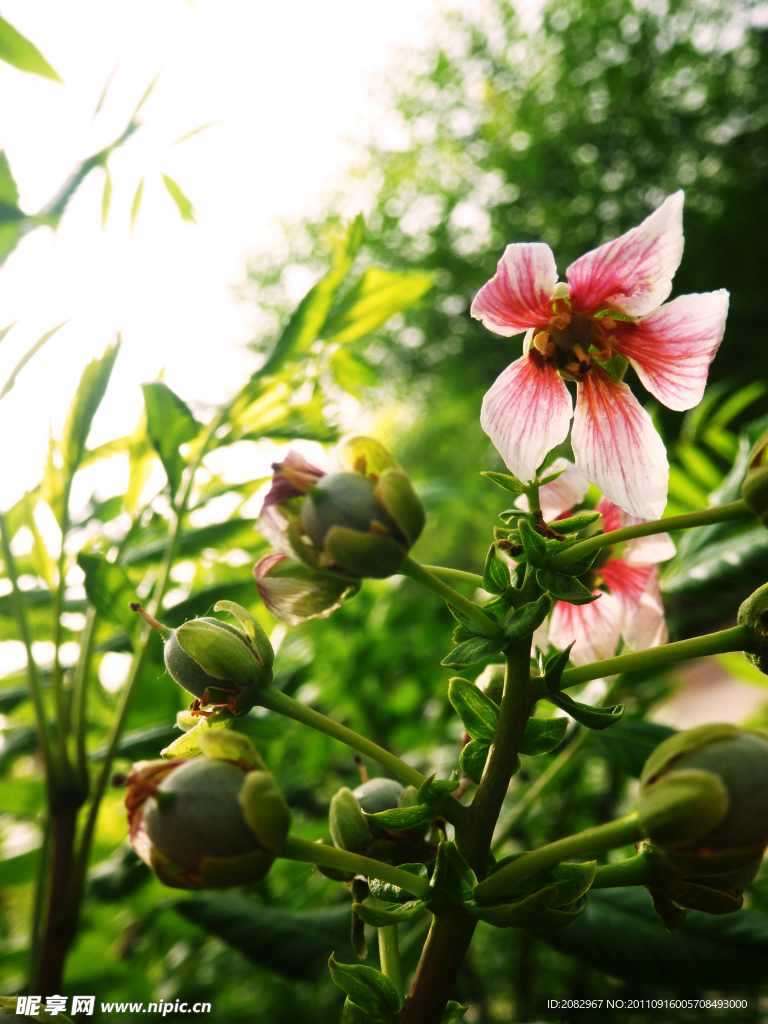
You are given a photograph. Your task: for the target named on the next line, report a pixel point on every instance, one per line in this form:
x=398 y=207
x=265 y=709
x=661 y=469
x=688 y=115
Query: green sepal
x=395 y=493
x=453 y=876
x=526 y=620
x=364 y=554
x=671 y=915
x=473 y=650
x=253 y=630
x=710 y=901
x=685 y=743
x=188 y=744
x=584 y=714
x=534 y=544
x=554 y=918
x=513 y=915
x=265 y=810
x=380 y=918
x=227 y=745
x=713 y=864
x=453 y=1011
x=367 y=988
x=579 y=565
x=402 y=819
x=347 y=823
x=571 y=880
x=542 y=735
x=505 y=481
x=394 y=893
x=366 y=455
x=496 y=576
x=477 y=711
x=219 y=652
x=564 y=588
x=575 y=523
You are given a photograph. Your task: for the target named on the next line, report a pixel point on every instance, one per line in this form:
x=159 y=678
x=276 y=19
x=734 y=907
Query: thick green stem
x=389 y=956
x=443 y=954
x=329 y=857
x=421 y=575
x=80 y=693
x=707 y=517
x=593 y=840
x=636 y=870
x=455 y=575
x=735 y=639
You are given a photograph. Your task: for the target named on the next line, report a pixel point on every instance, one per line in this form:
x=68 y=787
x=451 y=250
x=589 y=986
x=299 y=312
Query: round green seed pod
x=378 y=795
x=347 y=500
x=187 y=673
x=197 y=814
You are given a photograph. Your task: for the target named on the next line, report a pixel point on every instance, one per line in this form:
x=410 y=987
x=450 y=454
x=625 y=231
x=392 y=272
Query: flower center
x=568 y=338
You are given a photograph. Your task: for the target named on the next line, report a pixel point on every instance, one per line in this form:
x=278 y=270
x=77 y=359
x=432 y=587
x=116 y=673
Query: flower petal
x=611 y=515
x=646 y=626
x=562 y=494
x=671 y=348
x=595 y=627
x=519 y=296
x=617 y=447
x=526 y=413
x=295 y=593
x=633 y=273
x=647 y=550
x=626 y=582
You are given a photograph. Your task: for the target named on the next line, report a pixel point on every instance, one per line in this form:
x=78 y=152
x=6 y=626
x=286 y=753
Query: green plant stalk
x=454 y=575
x=452 y=929
x=735 y=639
x=57 y=676
x=593 y=840
x=421 y=575
x=80 y=694
x=38 y=903
x=532 y=494
x=330 y=857
x=636 y=870
x=389 y=956
x=33 y=678
x=707 y=517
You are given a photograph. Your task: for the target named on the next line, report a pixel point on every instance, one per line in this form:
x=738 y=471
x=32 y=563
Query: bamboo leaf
x=183 y=205
x=8 y=386
x=18 y=51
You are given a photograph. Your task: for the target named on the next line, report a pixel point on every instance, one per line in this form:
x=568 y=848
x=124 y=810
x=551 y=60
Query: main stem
x=452 y=929
x=707 y=517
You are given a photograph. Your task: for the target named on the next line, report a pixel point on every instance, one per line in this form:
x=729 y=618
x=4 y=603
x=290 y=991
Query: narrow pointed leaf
x=575 y=523
x=472 y=651
x=27 y=355
x=401 y=819
x=526 y=620
x=183 y=205
x=136 y=203
x=376 y=297
x=18 y=51
x=592 y=718
x=505 y=481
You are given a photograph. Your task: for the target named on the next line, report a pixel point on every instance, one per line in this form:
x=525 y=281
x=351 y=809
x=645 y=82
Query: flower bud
x=704 y=800
x=295 y=593
x=220 y=665
x=349 y=829
x=207 y=822
x=753 y=615
x=754 y=490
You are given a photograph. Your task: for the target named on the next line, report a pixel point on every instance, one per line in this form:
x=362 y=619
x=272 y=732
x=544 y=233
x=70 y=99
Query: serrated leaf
x=380 y=918
x=169 y=425
x=575 y=523
x=533 y=543
x=542 y=735
x=18 y=51
x=526 y=620
x=400 y=819
x=472 y=651
x=183 y=205
x=394 y=893
x=592 y=718
x=376 y=297
x=506 y=482
x=478 y=712
x=452 y=873
x=496 y=576
x=564 y=588
x=366 y=987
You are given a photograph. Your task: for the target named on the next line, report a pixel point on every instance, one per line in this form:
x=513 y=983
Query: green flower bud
x=754 y=490
x=349 y=829
x=378 y=795
x=753 y=614
x=704 y=800
x=207 y=822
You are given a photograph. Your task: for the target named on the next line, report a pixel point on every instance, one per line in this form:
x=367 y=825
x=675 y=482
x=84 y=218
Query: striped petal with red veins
x=633 y=273
x=642 y=550
x=626 y=582
x=645 y=626
x=527 y=413
x=671 y=348
x=595 y=627
x=617 y=447
x=520 y=295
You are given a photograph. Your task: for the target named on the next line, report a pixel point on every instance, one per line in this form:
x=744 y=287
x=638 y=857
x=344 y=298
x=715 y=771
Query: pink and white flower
x=571 y=334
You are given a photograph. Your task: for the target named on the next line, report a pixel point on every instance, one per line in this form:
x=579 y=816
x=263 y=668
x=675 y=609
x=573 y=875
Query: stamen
x=609 y=322
x=541 y=342
x=560 y=321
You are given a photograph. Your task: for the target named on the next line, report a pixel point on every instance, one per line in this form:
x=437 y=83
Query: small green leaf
x=188 y=745
x=496 y=576
x=506 y=482
x=478 y=712
x=472 y=651
x=432 y=789
x=380 y=918
x=526 y=620
x=542 y=735
x=18 y=51
x=473 y=757
x=564 y=588
x=184 y=206
x=534 y=544
x=499 y=607
x=592 y=718
x=550 y=477
x=468 y=625
x=452 y=873
x=579 y=565
x=555 y=667
x=136 y=203
x=169 y=425
x=575 y=523
x=394 y=893
x=453 y=1011
x=366 y=987
x=401 y=819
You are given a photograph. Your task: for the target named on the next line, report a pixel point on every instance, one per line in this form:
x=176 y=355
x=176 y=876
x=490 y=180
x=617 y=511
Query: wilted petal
x=519 y=296
x=645 y=626
x=295 y=593
x=595 y=627
x=617 y=447
x=562 y=494
x=273 y=526
x=526 y=414
x=633 y=273
x=671 y=348
x=293 y=477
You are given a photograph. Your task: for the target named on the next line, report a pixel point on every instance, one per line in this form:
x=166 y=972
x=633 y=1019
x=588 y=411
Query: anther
x=541 y=342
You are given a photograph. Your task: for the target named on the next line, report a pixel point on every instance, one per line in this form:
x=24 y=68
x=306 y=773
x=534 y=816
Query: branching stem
x=420 y=574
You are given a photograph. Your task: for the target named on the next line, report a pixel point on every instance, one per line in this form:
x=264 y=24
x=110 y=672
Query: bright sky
x=287 y=83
